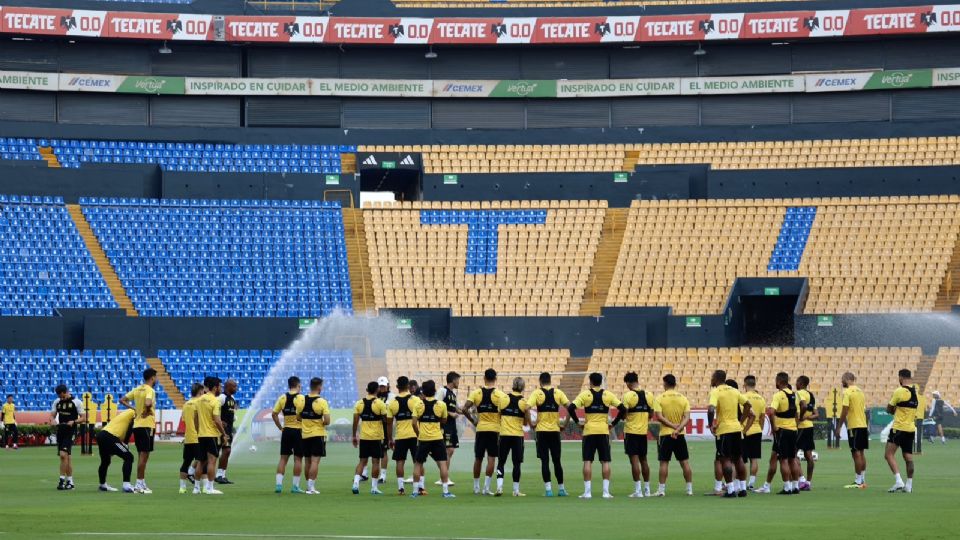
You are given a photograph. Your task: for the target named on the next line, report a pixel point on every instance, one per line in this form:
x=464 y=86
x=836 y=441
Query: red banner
x=489 y=30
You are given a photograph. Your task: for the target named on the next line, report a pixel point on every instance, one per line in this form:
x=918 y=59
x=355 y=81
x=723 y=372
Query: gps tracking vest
x=308 y=413
x=549 y=402
x=367 y=415
x=403 y=409
x=596 y=406
x=486 y=401
x=513 y=408
x=289 y=407
x=229 y=410
x=430 y=411
x=642 y=406
x=791 y=411
x=914 y=401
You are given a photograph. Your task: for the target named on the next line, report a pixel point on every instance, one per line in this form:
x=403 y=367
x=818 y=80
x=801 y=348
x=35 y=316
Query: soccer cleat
x=908 y=489
x=549 y=493
x=635 y=495
x=363 y=478
x=762 y=489
x=785 y=492
x=562 y=493
x=487 y=492
x=196 y=491
x=296 y=489
x=449 y=495
x=107 y=488
x=414 y=495
x=223 y=480
x=376 y=492
x=659 y=493
x=518 y=494
x=182 y=491
x=130 y=490
x=422 y=492
x=69 y=486
x=191 y=479
x=607 y=496
x=742 y=493
x=212 y=491
x=729 y=495
x=355 y=490
x=586 y=496
x=795 y=491
x=401 y=492
x=145 y=490
x=278 y=488
x=61 y=484
x=476 y=491
x=311 y=492
x=499 y=493
x=897 y=488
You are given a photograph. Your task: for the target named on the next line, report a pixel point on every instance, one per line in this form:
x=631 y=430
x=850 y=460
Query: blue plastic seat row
x=205 y=203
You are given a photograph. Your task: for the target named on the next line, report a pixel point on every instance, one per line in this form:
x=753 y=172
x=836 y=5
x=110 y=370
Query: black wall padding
x=655 y=111
x=840 y=107
x=568 y=113
x=391 y=63
x=836 y=56
x=745 y=110
x=564 y=64
x=141 y=181
x=293 y=62
x=653 y=61
x=386 y=113
x=293 y=111
x=106 y=109
x=29 y=56
x=478 y=114
x=197 y=61
x=921 y=53
x=28 y=106
x=744 y=60
x=472 y=63
x=923 y=105
x=104 y=58
x=221 y=111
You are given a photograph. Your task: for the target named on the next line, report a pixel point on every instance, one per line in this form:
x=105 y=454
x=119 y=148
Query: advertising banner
x=741 y=85
x=618 y=87
x=946 y=77
x=26 y=80
x=871 y=80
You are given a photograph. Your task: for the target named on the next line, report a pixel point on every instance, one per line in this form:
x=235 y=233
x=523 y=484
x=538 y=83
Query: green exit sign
x=620 y=177
x=332 y=179
x=389 y=164
x=306 y=323
x=824 y=320
x=694 y=322
x=771 y=291
x=450 y=179
x=404 y=324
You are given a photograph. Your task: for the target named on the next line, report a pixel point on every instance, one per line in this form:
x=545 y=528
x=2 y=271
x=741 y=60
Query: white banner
x=25 y=80
x=837 y=82
x=210 y=86
x=946 y=77
x=371 y=87
x=618 y=87
x=463 y=89
x=742 y=85
x=76 y=82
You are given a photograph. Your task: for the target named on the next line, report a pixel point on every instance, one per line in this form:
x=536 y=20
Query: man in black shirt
x=228 y=412
x=448 y=394
x=66 y=414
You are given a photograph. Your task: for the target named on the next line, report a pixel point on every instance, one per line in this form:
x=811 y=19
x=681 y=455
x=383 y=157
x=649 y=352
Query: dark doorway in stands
x=768 y=320
x=404 y=183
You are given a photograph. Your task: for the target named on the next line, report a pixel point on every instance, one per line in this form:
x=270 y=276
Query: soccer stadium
x=479 y=269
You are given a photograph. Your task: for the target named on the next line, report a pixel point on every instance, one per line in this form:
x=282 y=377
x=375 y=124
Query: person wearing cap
x=384 y=395
x=936 y=411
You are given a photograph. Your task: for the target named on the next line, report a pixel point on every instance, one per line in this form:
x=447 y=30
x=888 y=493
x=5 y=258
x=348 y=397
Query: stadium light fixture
x=164 y=49
x=430 y=55
x=700 y=51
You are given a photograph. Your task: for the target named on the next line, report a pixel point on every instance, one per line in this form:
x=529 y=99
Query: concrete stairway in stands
x=99 y=257
x=163 y=377
x=949 y=291
x=573 y=376
x=924 y=369
x=47 y=153
x=348 y=163
x=369 y=369
x=604 y=261
x=361 y=280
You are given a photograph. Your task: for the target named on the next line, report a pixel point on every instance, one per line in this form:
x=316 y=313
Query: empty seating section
x=32 y=375
x=203 y=258
x=470 y=364
x=945 y=377
x=793 y=238
x=687 y=254
x=19 y=149
x=510 y=158
x=201 y=157
x=879 y=255
x=803 y=154
x=250 y=368
x=875 y=367
x=536 y=255
x=44 y=262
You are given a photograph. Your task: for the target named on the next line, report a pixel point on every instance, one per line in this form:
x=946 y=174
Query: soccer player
x=371 y=410
x=210 y=430
x=854 y=414
x=514 y=414
x=784 y=412
x=936 y=411
x=314 y=414
x=10 y=433
x=486 y=418
x=383 y=393
x=903 y=406
x=191 y=446
x=448 y=395
x=547 y=401
x=112 y=441
x=672 y=410
x=428 y=419
x=753 y=432
x=639 y=404
x=66 y=414
x=596 y=403
x=228 y=413
x=400 y=411
x=805 y=441
x=143 y=397
x=291 y=437
x=723 y=415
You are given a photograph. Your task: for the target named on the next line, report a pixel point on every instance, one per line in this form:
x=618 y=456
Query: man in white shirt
x=938 y=407
x=66 y=414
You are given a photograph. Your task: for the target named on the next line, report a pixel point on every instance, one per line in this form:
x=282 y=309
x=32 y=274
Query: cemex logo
x=602 y=28
x=811 y=23
x=174 y=26
x=498 y=29
x=291 y=28
x=68 y=22
x=707 y=26
x=928 y=18
x=396 y=30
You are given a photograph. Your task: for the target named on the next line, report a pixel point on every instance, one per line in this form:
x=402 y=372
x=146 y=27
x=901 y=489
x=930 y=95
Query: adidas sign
x=370 y=161
x=407 y=160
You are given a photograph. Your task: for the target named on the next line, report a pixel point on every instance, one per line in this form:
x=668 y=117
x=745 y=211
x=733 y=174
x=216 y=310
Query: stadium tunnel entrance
x=763 y=310
x=400 y=173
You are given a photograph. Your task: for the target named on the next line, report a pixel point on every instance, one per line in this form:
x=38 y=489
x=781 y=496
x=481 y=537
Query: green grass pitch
x=32 y=508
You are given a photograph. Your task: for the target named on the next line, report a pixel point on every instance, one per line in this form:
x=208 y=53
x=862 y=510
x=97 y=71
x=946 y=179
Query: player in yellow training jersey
x=428 y=422
x=854 y=414
x=191 y=446
x=112 y=441
x=291 y=434
x=210 y=431
x=400 y=411
x=903 y=406
x=371 y=411
x=784 y=410
x=514 y=414
x=727 y=406
x=596 y=403
x=314 y=414
x=753 y=432
x=547 y=400
x=805 y=442
x=482 y=411
x=144 y=399
x=10 y=432
x=639 y=405
x=672 y=410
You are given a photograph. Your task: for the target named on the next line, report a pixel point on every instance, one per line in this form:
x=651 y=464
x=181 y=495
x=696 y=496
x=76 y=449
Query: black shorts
x=731 y=445
x=192 y=452
x=596 y=445
x=450 y=438
x=143 y=437
x=751 y=446
x=291 y=442
x=668 y=447
x=785 y=441
x=486 y=443
x=511 y=444
x=548 y=442
x=314 y=447
x=716 y=444
x=207 y=446
x=903 y=439
x=805 y=439
x=635 y=445
x=858 y=439
x=371 y=449
x=65 y=435
x=432 y=449
x=228 y=439
x=402 y=447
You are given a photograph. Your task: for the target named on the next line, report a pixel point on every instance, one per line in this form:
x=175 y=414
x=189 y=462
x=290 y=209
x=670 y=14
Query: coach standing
x=66 y=413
